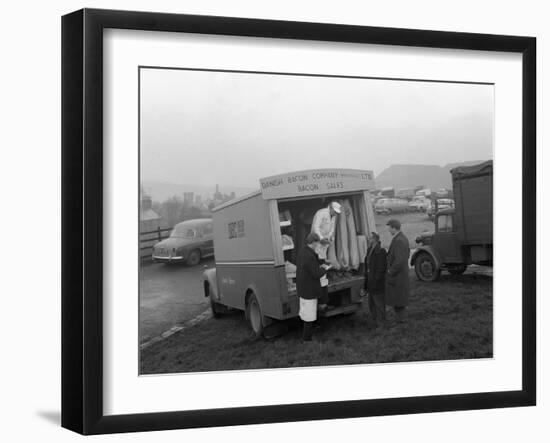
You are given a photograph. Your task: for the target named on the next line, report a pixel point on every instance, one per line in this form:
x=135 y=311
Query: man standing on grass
x=308 y=285
x=375 y=279
x=397 y=279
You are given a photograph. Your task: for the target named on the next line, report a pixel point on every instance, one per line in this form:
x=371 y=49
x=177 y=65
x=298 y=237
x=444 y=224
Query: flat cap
x=394 y=223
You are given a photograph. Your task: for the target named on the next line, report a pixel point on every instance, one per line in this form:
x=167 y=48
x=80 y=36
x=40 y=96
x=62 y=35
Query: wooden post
x=160 y=235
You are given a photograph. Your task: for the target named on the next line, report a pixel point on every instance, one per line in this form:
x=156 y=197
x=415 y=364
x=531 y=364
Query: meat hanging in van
x=342 y=249
x=353 y=249
x=331 y=254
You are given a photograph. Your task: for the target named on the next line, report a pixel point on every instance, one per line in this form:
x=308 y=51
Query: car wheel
x=194 y=258
x=426 y=268
x=457 y=270
x=254 y=315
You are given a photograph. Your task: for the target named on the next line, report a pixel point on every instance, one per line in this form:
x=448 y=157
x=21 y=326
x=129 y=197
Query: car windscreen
x=183 y=232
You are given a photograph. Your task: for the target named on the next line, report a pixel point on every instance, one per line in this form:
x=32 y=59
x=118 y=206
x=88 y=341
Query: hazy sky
x=204 y=128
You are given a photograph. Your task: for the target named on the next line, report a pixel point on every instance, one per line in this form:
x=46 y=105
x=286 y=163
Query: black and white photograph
x=291 y=220
x=275 y=221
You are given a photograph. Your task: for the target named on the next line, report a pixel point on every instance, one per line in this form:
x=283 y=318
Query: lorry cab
x=257 y=237
x=440 y=249
x=445 y=240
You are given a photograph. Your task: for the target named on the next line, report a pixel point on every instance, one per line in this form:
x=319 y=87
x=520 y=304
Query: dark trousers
x=399 y=313
x=377 y=307
x=323 y=300
x=308 y=330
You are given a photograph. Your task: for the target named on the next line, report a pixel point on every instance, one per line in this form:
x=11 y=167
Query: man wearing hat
x=308 y=285
x=324 y=223
x=375 y=279
x=397 y=278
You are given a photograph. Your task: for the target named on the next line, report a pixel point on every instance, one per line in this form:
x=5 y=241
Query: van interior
x=296 y=217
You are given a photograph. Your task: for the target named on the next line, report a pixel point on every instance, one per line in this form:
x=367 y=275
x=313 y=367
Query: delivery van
x=257 y=238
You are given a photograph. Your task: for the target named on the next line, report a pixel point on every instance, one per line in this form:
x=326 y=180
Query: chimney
x=146 y=202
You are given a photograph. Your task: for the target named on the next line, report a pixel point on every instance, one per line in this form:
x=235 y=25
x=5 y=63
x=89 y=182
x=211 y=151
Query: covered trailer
x=473 y=195
x=256 y=239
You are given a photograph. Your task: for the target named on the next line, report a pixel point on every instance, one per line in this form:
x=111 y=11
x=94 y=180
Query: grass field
x=448 y=319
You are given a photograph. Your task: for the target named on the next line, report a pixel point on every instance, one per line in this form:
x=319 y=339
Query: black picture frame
x=82 y=218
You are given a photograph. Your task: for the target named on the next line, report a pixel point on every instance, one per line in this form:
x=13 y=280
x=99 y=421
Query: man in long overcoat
x=375 y=279
x=397 y=278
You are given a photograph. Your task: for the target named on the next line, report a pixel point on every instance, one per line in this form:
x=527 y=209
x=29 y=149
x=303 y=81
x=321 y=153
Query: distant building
x=218 y=198
x=148 y=219
x=188 y=198
x=218 y=195
x=149 y=222
x=198 y=201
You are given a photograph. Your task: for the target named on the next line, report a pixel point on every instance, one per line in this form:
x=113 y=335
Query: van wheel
x=457 y=270
x=254 y=316
x=194 y=258
x=425 y=267
x=216 y=308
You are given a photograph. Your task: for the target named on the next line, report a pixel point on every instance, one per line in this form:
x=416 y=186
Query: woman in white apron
x=308 y=284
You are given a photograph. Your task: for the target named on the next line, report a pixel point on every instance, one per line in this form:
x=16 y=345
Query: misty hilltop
x=409 y=176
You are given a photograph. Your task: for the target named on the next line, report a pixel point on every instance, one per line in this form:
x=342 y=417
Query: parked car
x=389 y=205
x=426 y=192
x=441 y=203
x=189 y=242
x=442 y=193
x=419 y=203
x=405 y=193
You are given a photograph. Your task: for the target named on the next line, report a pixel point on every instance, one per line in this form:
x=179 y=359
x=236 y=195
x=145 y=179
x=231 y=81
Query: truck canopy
x=473 y=192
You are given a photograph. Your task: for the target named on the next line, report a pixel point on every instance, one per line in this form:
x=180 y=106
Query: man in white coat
x=324 y=224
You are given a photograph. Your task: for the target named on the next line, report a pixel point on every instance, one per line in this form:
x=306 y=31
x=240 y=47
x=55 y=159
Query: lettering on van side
x=308 y=188
x=236 y=229
x=228 y=281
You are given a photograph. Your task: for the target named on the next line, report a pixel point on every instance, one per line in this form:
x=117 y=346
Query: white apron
x=308 y=309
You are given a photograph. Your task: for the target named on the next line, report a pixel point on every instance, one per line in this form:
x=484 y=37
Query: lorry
x=405 y=193
x=257 y=237
x=463 y=234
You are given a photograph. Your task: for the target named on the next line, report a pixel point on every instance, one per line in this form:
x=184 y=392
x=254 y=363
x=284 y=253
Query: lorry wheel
x=425 y=267
x=254 y=315
x=457 y=270
x=194 y=258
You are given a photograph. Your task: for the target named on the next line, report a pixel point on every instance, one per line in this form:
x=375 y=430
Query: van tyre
x=254 y=316
x=426 y=268
x=194 y=258
x=457 y=270
x=216 y=308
